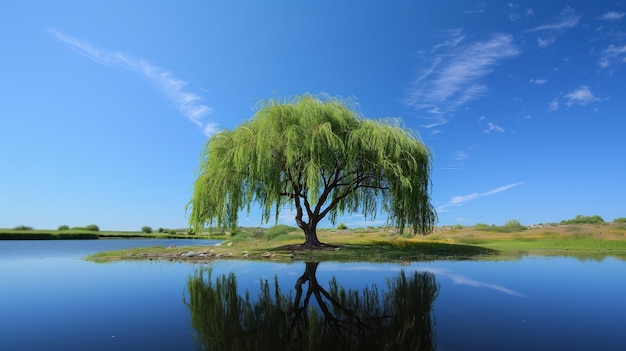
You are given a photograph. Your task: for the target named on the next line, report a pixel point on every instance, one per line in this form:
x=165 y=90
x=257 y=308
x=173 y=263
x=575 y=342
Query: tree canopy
x=316 y=153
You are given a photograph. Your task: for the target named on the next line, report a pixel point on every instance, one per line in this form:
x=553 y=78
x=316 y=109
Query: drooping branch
x=318 y=152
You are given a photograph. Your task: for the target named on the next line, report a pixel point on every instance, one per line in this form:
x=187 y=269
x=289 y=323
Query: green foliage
x=90 y=227
x=342 y=226
x=23 y=227
x=278 y=230
x=514 y=224
x=172 y=231
x=580 y=219
x=620 y=220
x=509 y=226
x=63 y=227
x=288 y=236
x=146 y=229
x=318 y=154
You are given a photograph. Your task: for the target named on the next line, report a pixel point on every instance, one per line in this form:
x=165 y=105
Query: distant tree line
x=90 y=227
x=148 y=229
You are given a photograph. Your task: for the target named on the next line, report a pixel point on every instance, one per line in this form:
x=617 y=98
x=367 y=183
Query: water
x=52 y=299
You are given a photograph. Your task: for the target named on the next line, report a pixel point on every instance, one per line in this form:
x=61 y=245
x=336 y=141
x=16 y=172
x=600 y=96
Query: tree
x=147 y=229
x=93 y=227
x=317 y=154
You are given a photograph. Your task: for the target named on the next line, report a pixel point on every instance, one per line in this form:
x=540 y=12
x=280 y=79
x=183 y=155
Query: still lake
x=51 y=299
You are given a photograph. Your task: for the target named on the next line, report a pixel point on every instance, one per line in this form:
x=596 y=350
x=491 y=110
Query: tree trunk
x=310 y=238
x=310 y=232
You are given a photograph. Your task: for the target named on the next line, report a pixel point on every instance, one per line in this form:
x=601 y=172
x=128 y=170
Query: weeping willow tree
x=315 y=153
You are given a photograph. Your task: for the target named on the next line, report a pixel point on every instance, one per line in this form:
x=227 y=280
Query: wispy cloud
x=581 y=96
x=612 y=55
x=545 y=42
x=188 y=104
x=453 y=77
x=493 y=128
x=460 y=155
x=554 y=105
x=538 y=81
x=516 y=13
x=612 y=16
x=463 y=199
x=566 y=20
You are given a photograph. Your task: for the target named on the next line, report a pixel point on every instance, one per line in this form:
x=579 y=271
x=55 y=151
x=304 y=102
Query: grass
x=386 y=244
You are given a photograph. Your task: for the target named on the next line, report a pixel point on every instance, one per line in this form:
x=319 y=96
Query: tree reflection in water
x=398 y=318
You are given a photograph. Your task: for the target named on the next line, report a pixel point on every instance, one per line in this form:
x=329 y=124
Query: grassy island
x=585 y=241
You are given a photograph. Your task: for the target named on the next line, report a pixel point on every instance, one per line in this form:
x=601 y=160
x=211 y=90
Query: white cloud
x=452 y=78
x=543 y=43
x=581 y=96
x=461 y=200
x=187 y=103
x=460 y=155
x=567 y=19
x=210 y=129
x=538 y=81
x=612 y=55
x=493 y=128
x=554 y=105
x=612 y=16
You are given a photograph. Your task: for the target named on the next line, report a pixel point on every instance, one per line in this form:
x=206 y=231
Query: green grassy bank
x=583 y=241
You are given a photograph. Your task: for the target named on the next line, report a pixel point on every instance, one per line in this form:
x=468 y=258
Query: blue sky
x=107 y=104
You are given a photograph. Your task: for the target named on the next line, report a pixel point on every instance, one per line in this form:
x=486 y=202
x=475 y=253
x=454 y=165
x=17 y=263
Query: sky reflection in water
x=59 y=302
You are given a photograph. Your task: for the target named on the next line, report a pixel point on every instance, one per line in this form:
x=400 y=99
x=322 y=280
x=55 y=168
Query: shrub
x=23 y=227
x=161 y=230
x=63 y=227
x=580 y=219
x=620 y=220
x=146 y=229
x=93 y=228
x=172 y=231
x=342 y=226
x=279 y=229
x=514 y=224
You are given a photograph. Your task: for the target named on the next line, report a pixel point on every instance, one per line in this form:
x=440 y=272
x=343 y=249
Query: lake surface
x=51 y=299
